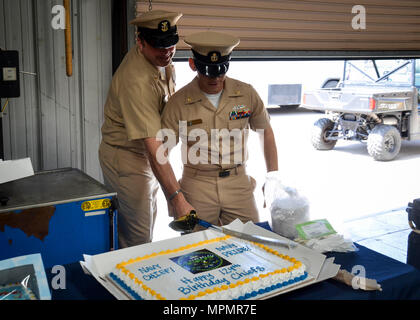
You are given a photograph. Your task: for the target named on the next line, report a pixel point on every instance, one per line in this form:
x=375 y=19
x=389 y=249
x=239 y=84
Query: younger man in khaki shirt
x=211 y=115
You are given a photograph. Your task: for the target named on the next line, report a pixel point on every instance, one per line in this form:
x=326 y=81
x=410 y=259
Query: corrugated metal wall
x=301 y=25
x=21 y=122
x=57 y=119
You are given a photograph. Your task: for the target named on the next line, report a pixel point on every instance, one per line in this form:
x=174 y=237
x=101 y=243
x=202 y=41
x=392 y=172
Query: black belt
x=214 y=173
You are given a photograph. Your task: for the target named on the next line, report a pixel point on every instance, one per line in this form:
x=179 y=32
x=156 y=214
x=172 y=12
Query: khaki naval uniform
x=136 y=98
x=214 y=180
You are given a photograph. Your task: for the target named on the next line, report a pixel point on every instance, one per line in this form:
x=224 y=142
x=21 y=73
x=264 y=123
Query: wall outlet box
x=9 y=74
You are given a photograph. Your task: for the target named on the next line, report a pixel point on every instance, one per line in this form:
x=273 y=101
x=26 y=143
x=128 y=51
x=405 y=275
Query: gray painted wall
x=57 y=120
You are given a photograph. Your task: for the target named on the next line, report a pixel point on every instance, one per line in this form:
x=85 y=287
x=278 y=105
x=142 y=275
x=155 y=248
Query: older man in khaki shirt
x=127 y=154
x=211 y=115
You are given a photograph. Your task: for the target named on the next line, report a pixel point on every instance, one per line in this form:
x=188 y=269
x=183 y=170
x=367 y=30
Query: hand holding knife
x=188 y=223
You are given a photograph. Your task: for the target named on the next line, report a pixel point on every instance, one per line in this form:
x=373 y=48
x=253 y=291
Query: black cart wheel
x=384 y=143
x=320 y=132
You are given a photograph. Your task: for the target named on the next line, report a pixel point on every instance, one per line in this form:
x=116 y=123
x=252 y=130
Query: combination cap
x=158 y=27
x=212 y=51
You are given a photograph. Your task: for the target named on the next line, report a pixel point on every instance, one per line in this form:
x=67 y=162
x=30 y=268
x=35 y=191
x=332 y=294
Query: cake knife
x=187 y=224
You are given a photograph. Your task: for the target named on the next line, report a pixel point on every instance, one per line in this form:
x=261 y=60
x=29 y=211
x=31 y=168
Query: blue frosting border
x=279 y=285
x=246 y=296
x=125 y=287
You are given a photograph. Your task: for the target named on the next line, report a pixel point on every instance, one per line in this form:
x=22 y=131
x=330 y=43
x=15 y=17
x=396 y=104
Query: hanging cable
x=150 y=5
x=68 y=42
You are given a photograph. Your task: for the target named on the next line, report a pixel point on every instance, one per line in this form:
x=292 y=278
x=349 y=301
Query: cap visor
x=164 y=42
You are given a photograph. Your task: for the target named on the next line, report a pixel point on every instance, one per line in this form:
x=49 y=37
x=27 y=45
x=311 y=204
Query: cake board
x=318 y=267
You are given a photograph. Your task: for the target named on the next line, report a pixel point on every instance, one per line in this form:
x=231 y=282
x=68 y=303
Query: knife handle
x=185 y=223
x=204 y=224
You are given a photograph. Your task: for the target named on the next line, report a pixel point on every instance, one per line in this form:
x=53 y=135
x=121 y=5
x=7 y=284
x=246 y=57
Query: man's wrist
x=272 y=173
x=174 y=195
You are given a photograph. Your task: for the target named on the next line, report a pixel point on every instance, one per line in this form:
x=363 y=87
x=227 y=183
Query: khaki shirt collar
x=194 y=93
x=232 y=89
x=150 y=68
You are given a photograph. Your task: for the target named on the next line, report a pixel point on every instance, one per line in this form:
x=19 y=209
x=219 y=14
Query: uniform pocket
x=193 y=134
x=237 y=124
x=253 y=183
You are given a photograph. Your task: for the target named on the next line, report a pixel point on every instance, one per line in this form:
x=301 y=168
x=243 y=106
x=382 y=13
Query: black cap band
x=159 y=39
x=214 y=57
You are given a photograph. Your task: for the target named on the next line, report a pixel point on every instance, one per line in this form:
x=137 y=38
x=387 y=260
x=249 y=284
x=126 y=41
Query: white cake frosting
x=221 y=268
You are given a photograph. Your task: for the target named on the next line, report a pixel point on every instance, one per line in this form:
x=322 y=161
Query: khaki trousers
x=131 y=176
x=221 y=200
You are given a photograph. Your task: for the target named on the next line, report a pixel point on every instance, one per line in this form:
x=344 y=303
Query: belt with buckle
x=225 y=173
x=214 y=173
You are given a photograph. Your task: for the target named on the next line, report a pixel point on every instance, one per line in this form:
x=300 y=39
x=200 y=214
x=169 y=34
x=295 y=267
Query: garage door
x=327 y=25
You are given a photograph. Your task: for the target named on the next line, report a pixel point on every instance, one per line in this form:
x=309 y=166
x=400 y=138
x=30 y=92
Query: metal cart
x=61 y=214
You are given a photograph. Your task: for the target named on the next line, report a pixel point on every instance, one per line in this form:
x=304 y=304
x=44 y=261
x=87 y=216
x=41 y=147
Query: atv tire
x=320 y=131
x=384 y=143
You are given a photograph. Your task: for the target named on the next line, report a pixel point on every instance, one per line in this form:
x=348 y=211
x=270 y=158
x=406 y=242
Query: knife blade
x=247 y=236
x=188 y=223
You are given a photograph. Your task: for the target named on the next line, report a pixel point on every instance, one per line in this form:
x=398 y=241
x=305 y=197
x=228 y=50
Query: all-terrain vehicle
x=376 y=102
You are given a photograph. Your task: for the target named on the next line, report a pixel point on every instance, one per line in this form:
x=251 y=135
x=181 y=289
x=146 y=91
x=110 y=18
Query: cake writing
x=201 y=282
x=236 y=272
x=206 y=272
x=232 y=249
x=154 y=271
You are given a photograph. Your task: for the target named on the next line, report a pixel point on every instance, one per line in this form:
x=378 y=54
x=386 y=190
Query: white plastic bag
x=287 y=207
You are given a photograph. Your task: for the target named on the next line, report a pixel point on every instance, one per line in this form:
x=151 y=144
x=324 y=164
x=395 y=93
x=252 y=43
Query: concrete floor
x=386 y=233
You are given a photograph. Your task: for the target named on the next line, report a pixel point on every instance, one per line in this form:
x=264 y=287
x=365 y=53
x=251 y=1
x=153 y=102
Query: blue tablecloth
x=398 y=281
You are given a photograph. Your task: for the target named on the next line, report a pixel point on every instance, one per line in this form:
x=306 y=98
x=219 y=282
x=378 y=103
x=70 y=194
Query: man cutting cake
x=127 y=153
x=211 y=116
